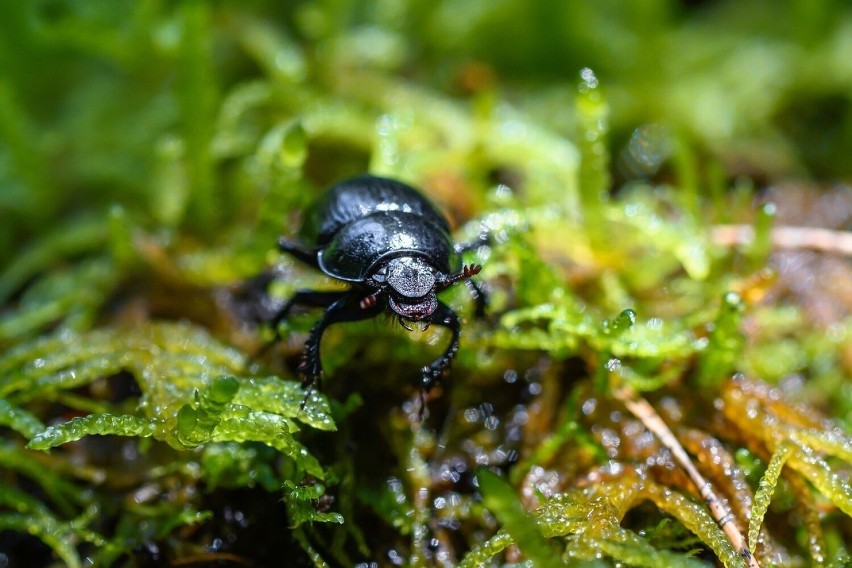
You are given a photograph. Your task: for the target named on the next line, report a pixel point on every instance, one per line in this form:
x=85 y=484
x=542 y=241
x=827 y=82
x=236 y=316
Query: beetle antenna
x=467 y=271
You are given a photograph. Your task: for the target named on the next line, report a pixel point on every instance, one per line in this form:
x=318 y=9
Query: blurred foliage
x=152 y=152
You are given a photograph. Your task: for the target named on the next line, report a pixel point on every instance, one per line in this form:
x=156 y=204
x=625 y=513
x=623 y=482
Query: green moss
x=500 y=498
x=152 y=153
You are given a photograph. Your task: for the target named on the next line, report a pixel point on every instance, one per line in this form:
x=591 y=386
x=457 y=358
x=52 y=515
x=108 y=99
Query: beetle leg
x=346 y=308
x=445 y=316
x=483 y=239
x=298 y=251
x=480 y=298
x=310 y=298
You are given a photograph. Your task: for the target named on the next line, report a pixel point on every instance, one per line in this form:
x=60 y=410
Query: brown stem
x=643 y=410
x=788 y=237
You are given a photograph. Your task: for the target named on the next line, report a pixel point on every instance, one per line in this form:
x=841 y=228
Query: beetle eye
x=381 y=275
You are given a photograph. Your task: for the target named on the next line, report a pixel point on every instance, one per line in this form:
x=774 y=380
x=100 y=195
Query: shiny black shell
x=362 y=221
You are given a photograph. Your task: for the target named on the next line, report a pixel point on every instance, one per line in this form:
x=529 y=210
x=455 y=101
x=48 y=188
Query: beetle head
x=411 y=285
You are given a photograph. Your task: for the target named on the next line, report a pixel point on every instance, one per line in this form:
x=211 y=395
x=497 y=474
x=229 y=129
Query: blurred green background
x=151 y=153
x=147 y=104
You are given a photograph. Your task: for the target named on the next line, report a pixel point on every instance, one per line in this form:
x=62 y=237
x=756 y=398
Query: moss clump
x=151 y=154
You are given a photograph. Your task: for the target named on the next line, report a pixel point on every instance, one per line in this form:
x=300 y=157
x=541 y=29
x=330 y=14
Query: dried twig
x=788 y=238
x=643 y=410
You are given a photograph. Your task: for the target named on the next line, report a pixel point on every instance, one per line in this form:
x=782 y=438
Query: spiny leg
x=482 y=239
x=444 y=316
x=309 y=298
x=480 y=298
x=349 y=307
x=479 y=295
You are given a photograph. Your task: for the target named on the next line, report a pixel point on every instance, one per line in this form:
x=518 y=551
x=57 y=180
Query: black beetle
x=394 y=249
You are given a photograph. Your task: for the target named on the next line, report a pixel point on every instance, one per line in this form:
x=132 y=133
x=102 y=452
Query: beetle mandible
x=394 y=249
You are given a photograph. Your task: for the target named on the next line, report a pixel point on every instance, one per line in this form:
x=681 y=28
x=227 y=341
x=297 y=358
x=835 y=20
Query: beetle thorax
x=410 y=283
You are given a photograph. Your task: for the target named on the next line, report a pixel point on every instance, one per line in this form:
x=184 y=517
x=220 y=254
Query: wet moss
x=631 y=163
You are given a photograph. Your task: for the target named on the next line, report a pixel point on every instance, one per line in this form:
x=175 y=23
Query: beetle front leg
x=348 y=308
x=444 y=316
x=309 y=298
